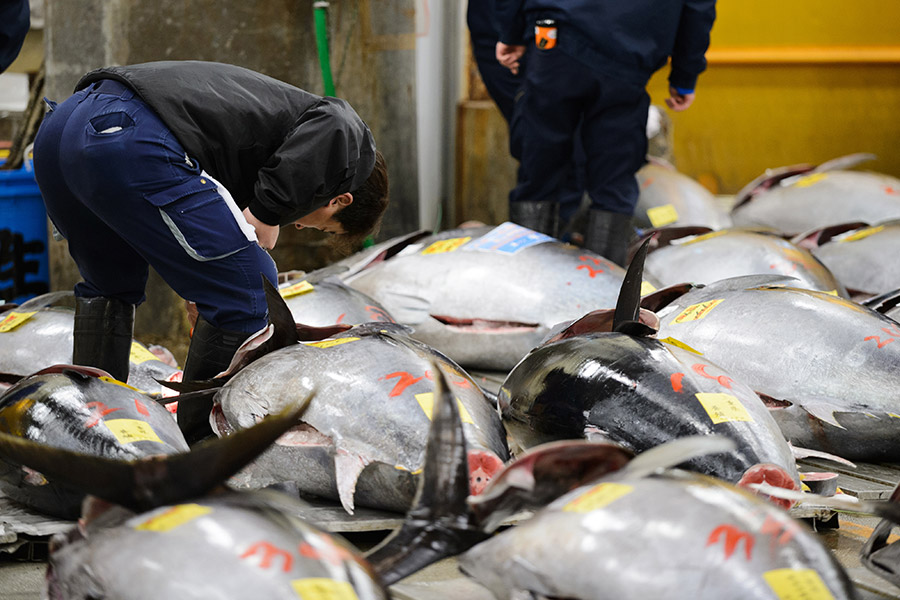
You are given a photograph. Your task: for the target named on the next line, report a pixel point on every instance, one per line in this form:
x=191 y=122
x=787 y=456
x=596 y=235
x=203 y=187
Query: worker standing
x=590 y=63
x=192 y=167
x=15 y=21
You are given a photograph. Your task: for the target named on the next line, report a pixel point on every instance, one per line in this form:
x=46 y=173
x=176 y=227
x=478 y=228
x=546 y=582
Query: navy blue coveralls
x=128 y=190
x=15 y=21
x=605 y=54
x=503 y=86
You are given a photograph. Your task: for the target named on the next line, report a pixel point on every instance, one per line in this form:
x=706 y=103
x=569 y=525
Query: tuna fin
x=661 y=298
x=406 y=308
x=379 y=253
x=141 y=485
x=664 y=236
x=815 y=238
x=809 y=452
x=439 y=523
x=886 y=509
x=281 y=318
x=541 y=475
x=627 y=316
x=823 y=411
x=744 y=282
x=884 y=302
x=348 y=466
x=845 y=162
x=768 y=180
x=678 y=451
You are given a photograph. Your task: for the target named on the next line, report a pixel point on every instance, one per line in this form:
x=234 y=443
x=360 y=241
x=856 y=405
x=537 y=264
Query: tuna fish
x=827 y=366
x=670 y=198
x=696 y=256
x=362 y=440
x=320 y=298
x=38 y=334
x=674 y=534
x=799 y=199
x=73 y=408
x=485 y=296
x=857 y=254
x=606 y=377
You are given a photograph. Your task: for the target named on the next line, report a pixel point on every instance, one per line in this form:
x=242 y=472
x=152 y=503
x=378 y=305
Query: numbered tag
x=723 y=408
x=322 y=588
x=599 y=496
x=660 y=216
x=140 y=354
x=301 y=287
x=426 y=401
x=13 y=320
x=174 y=517
x=695 y=312
x=129 y=431
x=797 y=584
x=442 y=246
x=331 y=343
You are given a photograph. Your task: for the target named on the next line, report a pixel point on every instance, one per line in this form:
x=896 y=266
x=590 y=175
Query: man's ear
x=344 y=199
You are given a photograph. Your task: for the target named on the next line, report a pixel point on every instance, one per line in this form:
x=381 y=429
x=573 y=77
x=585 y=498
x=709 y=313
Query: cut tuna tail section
x=141 y=485
x=877 y=554
x=627 y=316
x=886 y=509
x=772 y=475
x=439 y=524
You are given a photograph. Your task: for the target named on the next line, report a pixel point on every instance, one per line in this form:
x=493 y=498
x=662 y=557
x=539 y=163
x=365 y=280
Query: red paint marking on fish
x=723 y=380
x=676 y=382
x=733 y=537
x=878 y=341
x=269 y=552
x=405 y=381
x=98 y=411
x=141 y=407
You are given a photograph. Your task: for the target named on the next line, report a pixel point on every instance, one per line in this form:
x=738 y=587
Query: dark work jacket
x=625 y=39
x=282 y=151
x=15 y=21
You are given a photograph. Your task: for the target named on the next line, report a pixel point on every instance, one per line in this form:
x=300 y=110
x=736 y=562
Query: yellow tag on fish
x=322 y=588
x=442 y=246
x=301 y=287
x=129 y=431
x=330 y=343
x=600 y=496
x=174 y=517
x=723 y=408
x=797 y=584
x=647 y=288
x=426 y=401
x=13 y=320
x=861 y=234
x=139 y=354
x=660 y=216
x=810 y=180
x=679 y=344
x=695 y=312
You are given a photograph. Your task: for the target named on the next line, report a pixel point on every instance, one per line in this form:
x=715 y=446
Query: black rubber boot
x=211 y=350
x=608 y=234
x=103 y=334
x=537 y=216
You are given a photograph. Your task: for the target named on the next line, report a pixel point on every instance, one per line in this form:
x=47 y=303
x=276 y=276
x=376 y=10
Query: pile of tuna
x=643 y=443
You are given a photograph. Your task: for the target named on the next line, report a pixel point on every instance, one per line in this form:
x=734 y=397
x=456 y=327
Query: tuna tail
x=884 y=302
x=143 y=484
x=878 y=555
x=628 y=308
x=439 y=524
x=889 y=510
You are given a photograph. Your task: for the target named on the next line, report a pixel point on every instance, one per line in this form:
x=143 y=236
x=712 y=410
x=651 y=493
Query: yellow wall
x=788 y=82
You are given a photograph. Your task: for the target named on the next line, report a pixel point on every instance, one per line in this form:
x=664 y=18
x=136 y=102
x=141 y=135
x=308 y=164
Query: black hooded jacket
x=280 y=150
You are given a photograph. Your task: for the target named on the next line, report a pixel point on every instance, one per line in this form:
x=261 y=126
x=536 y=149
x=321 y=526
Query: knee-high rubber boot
x=537 y=216
x=608 y=234
x=103 y=334
x=210 y=353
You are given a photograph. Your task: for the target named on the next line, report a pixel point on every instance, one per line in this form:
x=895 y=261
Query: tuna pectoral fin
x=406 y=308
x=438 y=524
x=823 y=411
x=146 y=483
x=678 y=451
x=347 y=467
x=809 y=452
x=886 y=509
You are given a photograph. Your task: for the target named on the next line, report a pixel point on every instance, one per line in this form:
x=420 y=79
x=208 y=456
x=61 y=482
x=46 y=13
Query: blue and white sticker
x=508 y=238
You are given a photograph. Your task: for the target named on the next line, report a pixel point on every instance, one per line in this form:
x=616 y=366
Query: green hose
x=320 y=10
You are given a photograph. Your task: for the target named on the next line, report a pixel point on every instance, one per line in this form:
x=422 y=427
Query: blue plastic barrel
x=24 y=261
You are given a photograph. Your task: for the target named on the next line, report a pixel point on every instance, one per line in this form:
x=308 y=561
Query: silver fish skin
x=860 y=258
x=363 y=435
x=82 y=413
x=667 y=194
x=485 y=296
x=831 y=363
x=230 y=545
x=641 y=392
x=820 y=199
x=44 y=339
x=670 y=536
x=734 y=252
x=324 y=302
